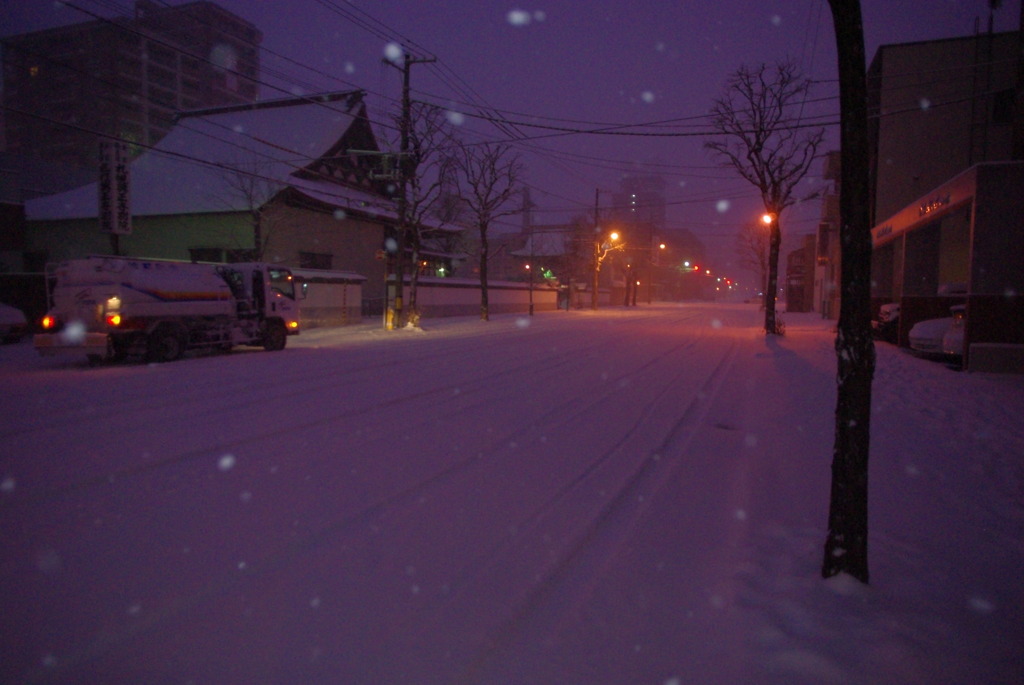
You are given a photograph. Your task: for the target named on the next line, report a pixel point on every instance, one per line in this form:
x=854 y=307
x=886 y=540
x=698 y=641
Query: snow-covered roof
x=195 y=168
x=545 y=244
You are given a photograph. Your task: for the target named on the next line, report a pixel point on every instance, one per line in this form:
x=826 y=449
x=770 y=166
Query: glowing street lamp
x=601 y=250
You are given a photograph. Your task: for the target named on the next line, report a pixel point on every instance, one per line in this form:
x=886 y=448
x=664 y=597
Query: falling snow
x=518 y=18
x=455 y=118
x=393 y=52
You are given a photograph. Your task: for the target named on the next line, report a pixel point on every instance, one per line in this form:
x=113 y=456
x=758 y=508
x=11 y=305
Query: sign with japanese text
x=114 y=207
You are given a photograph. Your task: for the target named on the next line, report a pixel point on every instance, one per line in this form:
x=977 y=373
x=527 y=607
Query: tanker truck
x=110 y=308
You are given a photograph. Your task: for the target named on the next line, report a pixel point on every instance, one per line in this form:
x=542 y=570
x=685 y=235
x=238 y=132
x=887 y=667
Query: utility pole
x=394 y=315
x=597 y=248
x=602 y=246
x=532 y=266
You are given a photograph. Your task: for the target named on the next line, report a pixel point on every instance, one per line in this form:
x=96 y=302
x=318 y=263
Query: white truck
x=113 y=307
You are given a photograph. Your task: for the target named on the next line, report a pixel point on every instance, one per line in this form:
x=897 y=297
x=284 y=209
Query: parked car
x=943 y=336
x=953 y=339
x=13 y=326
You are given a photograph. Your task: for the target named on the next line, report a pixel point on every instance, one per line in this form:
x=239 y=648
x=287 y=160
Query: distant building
x=800 y=264
x=828 y=256
x=640 y=199
x=67 y=88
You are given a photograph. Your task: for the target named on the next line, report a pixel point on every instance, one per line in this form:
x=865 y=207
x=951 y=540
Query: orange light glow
x=114 y=319
x=49 y=322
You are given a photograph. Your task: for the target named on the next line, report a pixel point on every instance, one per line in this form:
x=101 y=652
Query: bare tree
x=846 y=546
x=249 y=183
x=761 y=138
x=428 y=169
x=752 y=250
x=488 y=175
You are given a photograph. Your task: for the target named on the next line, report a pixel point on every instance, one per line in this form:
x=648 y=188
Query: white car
x=943 y=336
x=953 y=339
x=13 y=326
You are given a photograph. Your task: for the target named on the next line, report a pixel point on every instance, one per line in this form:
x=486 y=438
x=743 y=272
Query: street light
x=653 y=260
x=601 y=249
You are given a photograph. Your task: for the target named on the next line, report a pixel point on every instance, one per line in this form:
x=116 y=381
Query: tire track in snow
x=129 y=402
x=572 y=576
x=327 y=534
x=568 y=353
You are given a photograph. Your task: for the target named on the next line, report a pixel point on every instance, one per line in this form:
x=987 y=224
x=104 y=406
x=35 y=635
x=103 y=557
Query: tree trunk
x=771 y=324
x=846 y=546
x=257 y=235
x=412 y=310
x=484 y=305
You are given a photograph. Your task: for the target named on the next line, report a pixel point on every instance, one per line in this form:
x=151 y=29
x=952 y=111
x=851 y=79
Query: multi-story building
x=948 y=195
x=937 y=108
x=640 y=200
x=67 y=88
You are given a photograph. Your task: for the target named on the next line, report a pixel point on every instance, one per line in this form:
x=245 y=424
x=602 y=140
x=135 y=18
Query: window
x=281 y=281
x=206 y=254
x=315 y=260
x=241 y=255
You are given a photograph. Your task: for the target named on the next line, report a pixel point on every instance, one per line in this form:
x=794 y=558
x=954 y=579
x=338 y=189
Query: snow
x=192 y=169
x=623 y=496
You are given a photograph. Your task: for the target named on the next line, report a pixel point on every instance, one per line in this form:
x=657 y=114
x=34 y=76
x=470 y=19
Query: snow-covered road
x=625 y=496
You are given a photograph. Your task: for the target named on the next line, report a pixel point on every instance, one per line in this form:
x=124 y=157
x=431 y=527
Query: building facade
x=827 y=264
x=67 y=88
x=935 y=109
x=946 y=191
x=960 y=245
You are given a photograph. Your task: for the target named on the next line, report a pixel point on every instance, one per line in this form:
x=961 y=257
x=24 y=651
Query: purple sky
x=574 y=65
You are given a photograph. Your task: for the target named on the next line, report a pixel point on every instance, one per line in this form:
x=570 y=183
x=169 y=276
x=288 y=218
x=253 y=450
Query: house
x=289 y=181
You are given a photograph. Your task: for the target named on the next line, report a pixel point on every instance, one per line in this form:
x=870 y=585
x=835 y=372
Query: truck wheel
x=165 y=344
x=275 y=336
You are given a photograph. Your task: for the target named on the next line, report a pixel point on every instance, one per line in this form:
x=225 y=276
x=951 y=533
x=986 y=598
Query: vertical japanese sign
x=115 y=206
